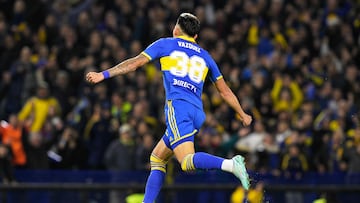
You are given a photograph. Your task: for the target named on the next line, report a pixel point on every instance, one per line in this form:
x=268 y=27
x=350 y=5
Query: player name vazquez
x=189 y=46
x=184 y=84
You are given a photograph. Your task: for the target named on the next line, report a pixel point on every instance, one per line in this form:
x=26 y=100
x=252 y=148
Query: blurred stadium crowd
x=293 y=64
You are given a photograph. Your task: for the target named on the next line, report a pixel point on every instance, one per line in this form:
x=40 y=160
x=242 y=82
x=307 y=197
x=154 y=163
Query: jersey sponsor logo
x=185 y=84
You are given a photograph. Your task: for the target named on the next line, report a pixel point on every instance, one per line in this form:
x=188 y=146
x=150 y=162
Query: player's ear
x=176 y=31
x=196 y=36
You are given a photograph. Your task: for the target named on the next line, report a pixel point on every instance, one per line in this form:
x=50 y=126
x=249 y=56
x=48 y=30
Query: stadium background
x=293 y=64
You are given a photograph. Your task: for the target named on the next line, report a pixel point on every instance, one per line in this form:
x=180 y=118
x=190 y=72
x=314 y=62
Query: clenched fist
x=94 y=77
x=245 y=119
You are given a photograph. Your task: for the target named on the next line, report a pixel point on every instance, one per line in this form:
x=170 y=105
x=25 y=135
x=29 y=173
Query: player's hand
x=94 y=77
x=245 y=119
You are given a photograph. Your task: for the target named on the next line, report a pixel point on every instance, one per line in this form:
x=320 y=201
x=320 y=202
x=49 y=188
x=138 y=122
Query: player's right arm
x=124 y=67
x=153 y=51
x=230 y=98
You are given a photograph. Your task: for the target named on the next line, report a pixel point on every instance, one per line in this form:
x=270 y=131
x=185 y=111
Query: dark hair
x=189 y=24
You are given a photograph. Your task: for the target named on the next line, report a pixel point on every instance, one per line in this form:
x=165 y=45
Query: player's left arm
x=226 y=93
x=230 y=98
x=124 y=67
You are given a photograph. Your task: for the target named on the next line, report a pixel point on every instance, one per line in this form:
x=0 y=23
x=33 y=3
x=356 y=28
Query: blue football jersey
x=185 y=66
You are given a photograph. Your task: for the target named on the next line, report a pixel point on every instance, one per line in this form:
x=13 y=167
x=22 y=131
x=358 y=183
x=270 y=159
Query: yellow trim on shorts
x=172 y=121
x=183 y=137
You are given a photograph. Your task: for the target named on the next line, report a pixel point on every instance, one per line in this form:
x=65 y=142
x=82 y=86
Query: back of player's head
x=189 y=24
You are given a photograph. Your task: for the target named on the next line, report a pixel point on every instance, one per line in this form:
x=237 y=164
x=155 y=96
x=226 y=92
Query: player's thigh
x=162 y=151
x=184 y=149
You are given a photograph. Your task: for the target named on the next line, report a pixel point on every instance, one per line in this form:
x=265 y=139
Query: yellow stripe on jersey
x=146 y=55
x=168 y=62
x=205 y=73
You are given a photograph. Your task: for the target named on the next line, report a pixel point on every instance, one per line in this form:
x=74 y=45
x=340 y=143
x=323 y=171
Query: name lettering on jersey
x=189 y=46
x=184 y=84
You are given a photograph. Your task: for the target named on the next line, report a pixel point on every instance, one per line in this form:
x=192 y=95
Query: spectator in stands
x=294 y=164
x=125 y=146
x=61 y=91
x=143 y=151
x=36 y=152
x=268 y=156
x=338 y=164
x=354 y=160
x=9 y=48
x=11 y=134
x=321 y=160
x=286 y=94
x=6 y=167
x=142 y=128
x=98 y=136
x=39 y=108
x=22 y=81
x=283 y=131
x=4 y=85
x=117 y=105
x=252 y=142
x=350 y=86
x=69 y=151
x=254 y=195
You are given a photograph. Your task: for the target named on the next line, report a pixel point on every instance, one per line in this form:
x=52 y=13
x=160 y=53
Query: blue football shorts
x=183 y=121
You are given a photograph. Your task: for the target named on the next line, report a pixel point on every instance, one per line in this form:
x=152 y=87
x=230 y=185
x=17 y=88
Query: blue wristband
x=106 y=74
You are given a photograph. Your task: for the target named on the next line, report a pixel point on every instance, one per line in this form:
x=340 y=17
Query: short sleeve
x=155 y=50
x=214 y=72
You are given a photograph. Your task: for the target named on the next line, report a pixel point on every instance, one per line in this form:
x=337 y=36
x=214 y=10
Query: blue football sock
x=153 y=185
x=204 y=160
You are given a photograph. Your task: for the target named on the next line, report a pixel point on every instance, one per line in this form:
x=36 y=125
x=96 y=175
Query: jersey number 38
x=194 y=67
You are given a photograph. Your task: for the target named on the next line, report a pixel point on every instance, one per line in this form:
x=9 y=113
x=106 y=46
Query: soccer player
x=185 y=66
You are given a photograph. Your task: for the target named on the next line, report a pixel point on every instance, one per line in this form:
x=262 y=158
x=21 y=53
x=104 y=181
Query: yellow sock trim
x=157 y=164
x=187 y=163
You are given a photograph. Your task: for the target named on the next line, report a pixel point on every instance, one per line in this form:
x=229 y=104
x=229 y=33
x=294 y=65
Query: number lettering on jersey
x=194 y=67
